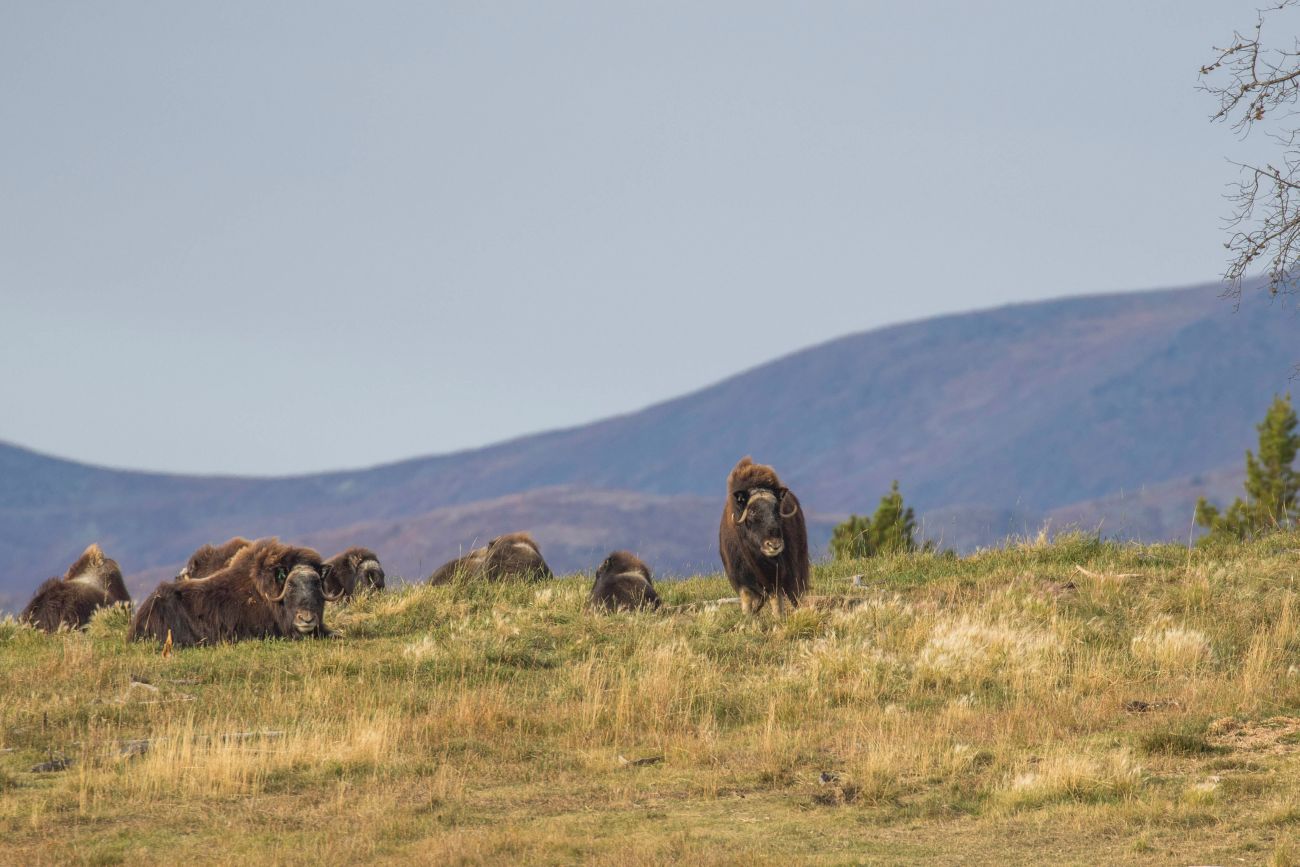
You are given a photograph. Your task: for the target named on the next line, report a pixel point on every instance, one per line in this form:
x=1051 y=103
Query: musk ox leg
x=751 y=602
x=779 y=604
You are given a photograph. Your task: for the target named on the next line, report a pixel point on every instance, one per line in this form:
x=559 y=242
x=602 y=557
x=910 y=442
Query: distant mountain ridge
x=995 y=419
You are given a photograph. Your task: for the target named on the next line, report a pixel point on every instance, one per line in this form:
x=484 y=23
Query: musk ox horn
x=284 y=589
x=784 y=499
x=326 y=571
x=758 y=494
x=280 y=598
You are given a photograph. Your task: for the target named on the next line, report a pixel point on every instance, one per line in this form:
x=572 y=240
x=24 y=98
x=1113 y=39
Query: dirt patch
x=1279 y=734
x=1058 y=589
x=1138 y=705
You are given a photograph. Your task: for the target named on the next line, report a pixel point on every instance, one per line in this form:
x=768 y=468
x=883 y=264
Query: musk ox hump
x=90 y=560
x=515 y=554
x=94 y=570
x=623 y=562
x=470 y=564
x=209 y=559
x=747 y=475
x=517 y=540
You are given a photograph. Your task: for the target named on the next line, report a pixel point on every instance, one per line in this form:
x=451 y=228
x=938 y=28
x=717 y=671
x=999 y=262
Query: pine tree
x=851 y=540
x=1271 y=482
x=891 y=530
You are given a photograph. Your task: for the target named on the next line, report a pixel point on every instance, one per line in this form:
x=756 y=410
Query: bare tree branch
x=1255 y=84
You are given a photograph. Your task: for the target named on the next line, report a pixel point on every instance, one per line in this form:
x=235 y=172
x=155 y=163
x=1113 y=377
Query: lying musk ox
x=356 y=569
x=511 y=554
x=268 y=590
x=623 y=583
x=762 y=539
x=92 y=582
x=209 y=559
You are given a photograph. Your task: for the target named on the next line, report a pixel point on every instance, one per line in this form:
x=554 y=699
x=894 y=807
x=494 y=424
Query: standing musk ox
x=356 y=569
x=208 y=559
x=92 y=582
x=762 y=539
x=623 y=583
x=511 y=554
x=269 y=590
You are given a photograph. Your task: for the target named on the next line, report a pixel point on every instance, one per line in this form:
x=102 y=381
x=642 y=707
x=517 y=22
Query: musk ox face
x=372 y=575
x=296 y=596
x=758 y=513
x=355 y=570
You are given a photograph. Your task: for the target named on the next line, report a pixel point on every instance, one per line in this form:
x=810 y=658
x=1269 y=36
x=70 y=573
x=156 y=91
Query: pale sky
x=280 y=237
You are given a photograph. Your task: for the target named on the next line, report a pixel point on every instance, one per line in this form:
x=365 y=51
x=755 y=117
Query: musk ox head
x=90 y=583
x=355 y=570
x=515 y=554
x=288 y=578
x=759 y=503
x=623 y=582
x=96 y=570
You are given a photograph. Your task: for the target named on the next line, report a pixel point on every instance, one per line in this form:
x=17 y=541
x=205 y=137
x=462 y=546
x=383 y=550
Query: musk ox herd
x=265 y=588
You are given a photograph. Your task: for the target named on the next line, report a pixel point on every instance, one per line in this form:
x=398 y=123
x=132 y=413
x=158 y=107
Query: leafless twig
x=1257 y=86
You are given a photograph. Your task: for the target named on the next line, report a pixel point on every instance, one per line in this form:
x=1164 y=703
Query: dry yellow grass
x=999 y=708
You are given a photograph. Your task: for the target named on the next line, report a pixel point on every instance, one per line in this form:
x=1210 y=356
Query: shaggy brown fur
x=470 y=565
x=762 y=539
x=91 y=583
x=623 y=583
x=511 y=554
x=353 y=570
x=210 y=559
x=269 y=590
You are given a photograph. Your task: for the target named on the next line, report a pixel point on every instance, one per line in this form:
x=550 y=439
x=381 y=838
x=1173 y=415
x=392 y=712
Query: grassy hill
x=1102 y=410
x=1069 y=702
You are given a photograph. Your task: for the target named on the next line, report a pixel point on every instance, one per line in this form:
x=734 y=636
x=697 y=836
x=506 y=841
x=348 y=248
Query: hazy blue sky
x=277 y=237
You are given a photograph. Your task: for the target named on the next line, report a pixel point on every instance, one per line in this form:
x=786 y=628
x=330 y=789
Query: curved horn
x=781 y=506
x=283 y=590
x=328 y=597
x=325 y=572
x=280 y=597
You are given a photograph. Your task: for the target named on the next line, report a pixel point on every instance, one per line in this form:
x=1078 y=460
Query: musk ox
x=762 y=539
x=92 y=582
x=623 y=583
x=210 y=559
x=356 y=569
x=269 y=590
x=511 y=554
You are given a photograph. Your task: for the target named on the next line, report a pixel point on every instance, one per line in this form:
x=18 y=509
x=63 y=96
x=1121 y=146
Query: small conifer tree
x=1271 y=482
x=851 y=540
x=891 y=530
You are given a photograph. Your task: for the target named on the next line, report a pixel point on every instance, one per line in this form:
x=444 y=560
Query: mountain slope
x=1009 y=413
